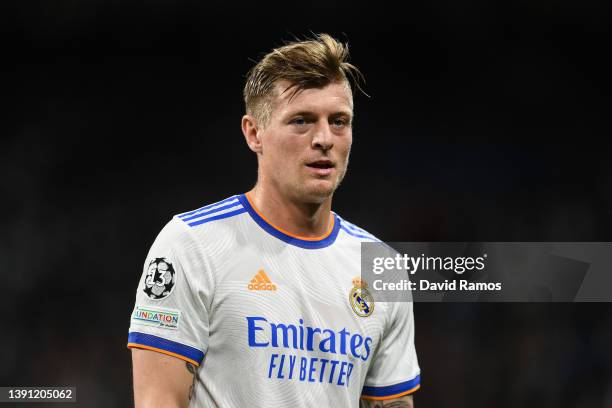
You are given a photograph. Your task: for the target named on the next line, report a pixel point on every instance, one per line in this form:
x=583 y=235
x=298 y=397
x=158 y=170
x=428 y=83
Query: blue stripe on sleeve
x=216 y=217
x=168 y=345
x=206 y=207
x=348 y=231
x=202 y=213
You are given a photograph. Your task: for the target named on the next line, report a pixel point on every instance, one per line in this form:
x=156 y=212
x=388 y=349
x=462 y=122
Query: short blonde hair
x=312 y=63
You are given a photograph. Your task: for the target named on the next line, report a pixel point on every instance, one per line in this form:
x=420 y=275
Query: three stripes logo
x=261 y=282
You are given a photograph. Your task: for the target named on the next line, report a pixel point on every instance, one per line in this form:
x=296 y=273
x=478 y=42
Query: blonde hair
x=312 y=63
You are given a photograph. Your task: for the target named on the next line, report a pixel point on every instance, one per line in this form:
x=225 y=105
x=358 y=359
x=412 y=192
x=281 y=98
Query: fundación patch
x=156 y=317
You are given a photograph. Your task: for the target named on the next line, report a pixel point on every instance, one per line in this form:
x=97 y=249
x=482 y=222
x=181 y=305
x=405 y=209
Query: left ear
x=251 y=133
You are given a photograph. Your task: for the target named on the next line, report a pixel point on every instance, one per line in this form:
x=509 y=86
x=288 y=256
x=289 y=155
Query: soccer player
x=256 y=300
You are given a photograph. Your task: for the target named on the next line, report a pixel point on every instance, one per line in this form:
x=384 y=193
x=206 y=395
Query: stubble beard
x=318 y=193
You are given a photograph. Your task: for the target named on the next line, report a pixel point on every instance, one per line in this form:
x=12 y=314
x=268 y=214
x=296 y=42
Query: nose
x=323 y=138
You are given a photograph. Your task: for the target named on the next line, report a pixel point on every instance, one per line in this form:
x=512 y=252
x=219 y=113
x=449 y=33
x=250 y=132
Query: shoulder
x=354 y=232
x=209 y=213
x=182 y=230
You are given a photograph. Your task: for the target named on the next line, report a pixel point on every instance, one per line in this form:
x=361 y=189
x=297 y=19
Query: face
x=305 y=146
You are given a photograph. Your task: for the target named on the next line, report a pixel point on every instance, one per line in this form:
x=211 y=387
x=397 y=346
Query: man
x=256 y=300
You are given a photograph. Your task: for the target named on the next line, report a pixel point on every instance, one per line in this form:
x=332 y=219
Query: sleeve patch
x=160 y=279
x=156 y=317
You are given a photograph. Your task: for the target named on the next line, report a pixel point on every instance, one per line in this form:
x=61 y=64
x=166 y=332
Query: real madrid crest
x=360 y=299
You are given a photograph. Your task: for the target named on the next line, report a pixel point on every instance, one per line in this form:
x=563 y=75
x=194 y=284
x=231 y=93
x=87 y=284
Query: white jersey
x=272 y=319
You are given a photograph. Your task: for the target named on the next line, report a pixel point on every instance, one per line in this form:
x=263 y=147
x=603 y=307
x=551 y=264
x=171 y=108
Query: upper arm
x=161 y=380
x=168 y=331
x=401 y=402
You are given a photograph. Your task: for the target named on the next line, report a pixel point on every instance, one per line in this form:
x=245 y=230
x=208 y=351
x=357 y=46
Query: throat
x=302 y=220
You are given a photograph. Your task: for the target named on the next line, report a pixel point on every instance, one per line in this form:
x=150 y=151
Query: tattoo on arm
x=192 y=369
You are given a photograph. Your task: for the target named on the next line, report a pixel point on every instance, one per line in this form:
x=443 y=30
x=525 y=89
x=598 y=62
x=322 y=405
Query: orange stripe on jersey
x=325 y=235
x=388 y=397
x=142 y=346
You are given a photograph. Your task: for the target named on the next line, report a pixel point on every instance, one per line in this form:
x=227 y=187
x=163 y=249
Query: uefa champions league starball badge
x=160 y=279
x=360 y=299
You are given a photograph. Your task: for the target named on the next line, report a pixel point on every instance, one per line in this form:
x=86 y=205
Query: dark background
x=487 y=121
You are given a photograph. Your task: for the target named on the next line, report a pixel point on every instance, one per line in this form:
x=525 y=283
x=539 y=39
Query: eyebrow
x=311 y=114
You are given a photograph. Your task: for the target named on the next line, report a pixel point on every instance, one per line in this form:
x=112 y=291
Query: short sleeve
x=170 y=314
x=394 y=371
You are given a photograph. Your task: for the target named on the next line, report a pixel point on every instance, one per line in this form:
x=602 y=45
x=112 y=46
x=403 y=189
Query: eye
x=340 y=122
x=298 y=121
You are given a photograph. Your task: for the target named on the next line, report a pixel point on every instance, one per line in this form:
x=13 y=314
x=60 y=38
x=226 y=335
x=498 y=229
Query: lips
x=321 y=164
x=322 y=167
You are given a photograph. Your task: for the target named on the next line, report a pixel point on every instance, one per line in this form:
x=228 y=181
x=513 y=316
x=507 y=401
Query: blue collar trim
x=302 y=243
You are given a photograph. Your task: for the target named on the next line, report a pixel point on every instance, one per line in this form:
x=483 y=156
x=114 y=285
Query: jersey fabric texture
x=267 y=315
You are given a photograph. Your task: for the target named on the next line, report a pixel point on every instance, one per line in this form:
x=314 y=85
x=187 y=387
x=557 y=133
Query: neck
x=297 y=218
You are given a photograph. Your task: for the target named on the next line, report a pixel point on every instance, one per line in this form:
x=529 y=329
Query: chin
x=318 y=192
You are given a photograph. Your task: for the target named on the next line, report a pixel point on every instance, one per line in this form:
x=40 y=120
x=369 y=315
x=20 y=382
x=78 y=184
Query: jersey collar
x=303 y=242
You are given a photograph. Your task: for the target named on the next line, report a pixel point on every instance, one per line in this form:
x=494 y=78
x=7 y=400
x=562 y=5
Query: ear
x=251 y=133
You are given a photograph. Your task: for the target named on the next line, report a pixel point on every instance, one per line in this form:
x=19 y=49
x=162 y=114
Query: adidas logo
x=261 y=282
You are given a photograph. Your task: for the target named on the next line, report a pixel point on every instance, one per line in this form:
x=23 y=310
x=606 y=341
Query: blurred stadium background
x=486 y=122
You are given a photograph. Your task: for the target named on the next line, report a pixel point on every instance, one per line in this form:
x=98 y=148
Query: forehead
x=332 y=98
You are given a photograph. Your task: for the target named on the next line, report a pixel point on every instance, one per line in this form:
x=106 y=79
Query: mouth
x=321 y=164
x=322 y=167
